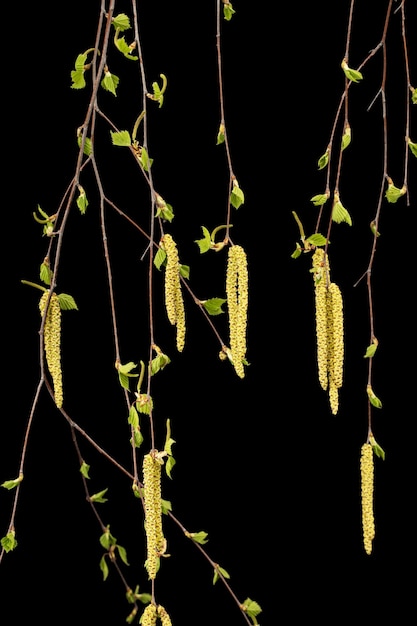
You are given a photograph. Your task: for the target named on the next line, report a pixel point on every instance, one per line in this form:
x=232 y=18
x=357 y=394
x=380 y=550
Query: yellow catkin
x=52 y=342
x=164 y=617
x=237 y=304
x=367 y=495
x=335 y=332
x=149 y=615
x=153 y=512
x=320 y=274
x=174 y=302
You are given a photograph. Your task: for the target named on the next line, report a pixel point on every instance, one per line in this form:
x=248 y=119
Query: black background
x=262 y=465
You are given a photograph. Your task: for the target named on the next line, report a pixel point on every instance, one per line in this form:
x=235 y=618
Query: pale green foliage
x=99 y=497
x=213 y=306
x=340 y=214
x=237 y=197
x=393 y=193
x=121 y=138
x=85 y=469
x=9 y=542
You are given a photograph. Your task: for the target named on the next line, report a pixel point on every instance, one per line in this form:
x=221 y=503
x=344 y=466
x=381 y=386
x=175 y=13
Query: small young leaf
x=339 y=213
x=347 y=137
x=107 y=540
x=413 y=95
x=104 y=567
x=88 y=146
x=125 y=48
x=144 y=403
x=317 y=240
x=11 y=484
x=122 y=554
x=185 y=271
x=376 y=402
x=110 y=82
x=99 y=497
x=393 y=193
x=205 y=243
x=251 y=608
x=228 y=10
x=45 y=273
x=166 y=506
x=120 y=138
x=216 y=574
x=170 y=462
x=319 y=199
x=413 y=147
x=370 y=351
x=297 y=252
x=378 y=451
x=159 y=362
x=82 y=201
x=353 y=75
x=84 y=469
x=237 y=197
x=8 y=542
x=66 y=302
x=213 y=306
x=137 y=439
x=121 y=21
x=220 y=135
x=160 y=258
x=200 y=537
x=323 y=160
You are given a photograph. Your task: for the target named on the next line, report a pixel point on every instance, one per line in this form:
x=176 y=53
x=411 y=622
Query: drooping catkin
x=174 y=302
x=149 y=615
x=164 y=617
x=320 y=274
x=329 y=329
x=335 y=330
x=153 y=512
x=237 y=304
x=367 y=496
x=52 y=342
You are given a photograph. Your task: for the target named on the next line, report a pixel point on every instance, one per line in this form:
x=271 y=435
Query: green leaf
x=84 y=469
x=163 y=209
x=125 y=48
x=144 y=403
x=370 y=351
x=353 y=75
x=159 y=362
x=107 y=540
x=252 y=609
x=133 y=418
x=319 y=199
x=137 y=439
x=378 y=451
x=185 y=271
x=8 y=542
x=220 y=135
x=237 y=197
x=160 y=258
x=413 y=95
x=66 y=302
x=323 y=160
x=104 y=567
x=143 y=158
x=99 y=497
x=200 y=537
x=216 y=574
x=347 y=137
x=110 y=82
x=82 y=201
x=45 y=273
x=376 y=402
x=413 y=147
x=170 y=462
x=88 y=146
x=77 y=75
x=120 y=138
x=228 y=10
x=205 y=243
x=339 y=213
x=122 y=554
x=166 y=506
x=317 y=240
x=121 y=21
x=393 y=193
x=124 y=380
x=297 y=252
x=12 y=484
x=213 y=306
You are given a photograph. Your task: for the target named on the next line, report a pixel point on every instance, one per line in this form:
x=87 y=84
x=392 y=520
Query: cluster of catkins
x=329 y=329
